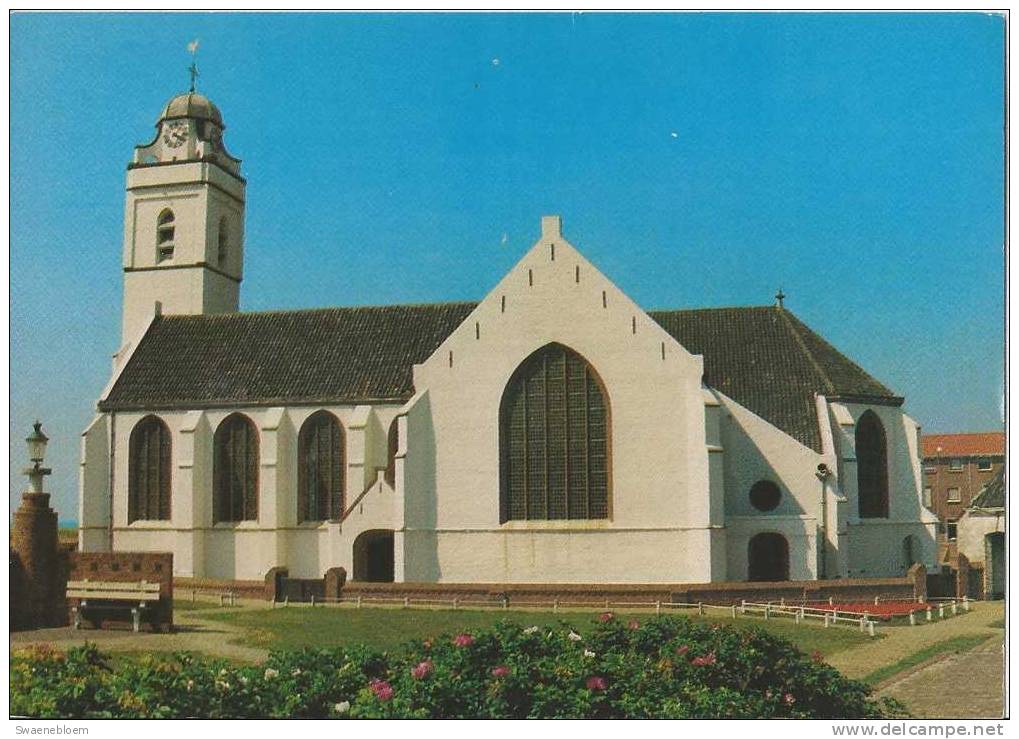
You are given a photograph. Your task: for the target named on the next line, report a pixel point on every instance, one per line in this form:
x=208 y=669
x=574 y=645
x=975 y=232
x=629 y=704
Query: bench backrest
x=102 y=590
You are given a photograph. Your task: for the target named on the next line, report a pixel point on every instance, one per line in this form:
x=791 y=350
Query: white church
x=554 y=432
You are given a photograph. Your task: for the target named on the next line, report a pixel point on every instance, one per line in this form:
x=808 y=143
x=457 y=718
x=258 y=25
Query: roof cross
x=193 y=69
x=779 y=297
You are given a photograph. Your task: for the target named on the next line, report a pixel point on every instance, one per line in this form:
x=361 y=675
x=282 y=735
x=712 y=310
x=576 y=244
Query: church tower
x=183 y=220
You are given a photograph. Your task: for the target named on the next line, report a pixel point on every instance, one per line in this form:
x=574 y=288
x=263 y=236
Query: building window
x=928 y=497
x=554 y=439
x=765 y=495
x=222 y=242
x=872 y=467
x=984 y=464
x=148 y=497
x=929 y=468
x=392 y=446
x=235 y=470
x=954 y=495
x=951 y=530
x=955 y=464
x=164 y=236
x=320 y=468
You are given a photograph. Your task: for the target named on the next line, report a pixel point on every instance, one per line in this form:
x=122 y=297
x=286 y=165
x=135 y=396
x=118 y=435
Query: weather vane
x=193 y=69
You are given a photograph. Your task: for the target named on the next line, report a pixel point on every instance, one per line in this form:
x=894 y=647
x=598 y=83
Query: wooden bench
x=112 y=596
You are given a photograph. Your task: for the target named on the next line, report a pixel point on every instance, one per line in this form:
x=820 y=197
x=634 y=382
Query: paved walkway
x=193 y=634
x=967 y=685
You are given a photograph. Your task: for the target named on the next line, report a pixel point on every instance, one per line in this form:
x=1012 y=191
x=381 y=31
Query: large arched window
x=320 y=469
x=871 y=467
x=165 y=235
x=235 y=470
x=554 y=439
x=148 y=484
x=393 y=446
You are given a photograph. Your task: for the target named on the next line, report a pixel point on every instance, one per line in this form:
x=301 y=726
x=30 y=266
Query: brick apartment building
x=955 y=468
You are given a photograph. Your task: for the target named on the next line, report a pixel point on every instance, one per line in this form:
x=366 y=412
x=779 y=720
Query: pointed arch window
x=320 y=469
x=554 y=439
x=149 y=473
x=222 y=242
x=392 y=446
x=235 y=470
x=871 y=466
x=165 y=235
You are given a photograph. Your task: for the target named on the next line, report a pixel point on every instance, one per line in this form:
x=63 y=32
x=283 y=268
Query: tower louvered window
x=165 y=235
x=320 y=469
x=554 y=431
x=149 y=475
x=235 y=470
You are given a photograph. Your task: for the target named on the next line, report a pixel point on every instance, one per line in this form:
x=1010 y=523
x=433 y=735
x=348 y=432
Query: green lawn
x=198 y=605
x=296 y=627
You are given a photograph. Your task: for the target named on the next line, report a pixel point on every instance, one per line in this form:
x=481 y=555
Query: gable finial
x=193 y=69
x=779 y=298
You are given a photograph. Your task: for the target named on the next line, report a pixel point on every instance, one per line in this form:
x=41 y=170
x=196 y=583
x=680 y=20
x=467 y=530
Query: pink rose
x=606 y=617
x=422 y=670
x=383 y=690
x=463 y=640
x=682 y=650
x=789 y=699
x=596 y=682
x=633 y=625
x=708 y=659
x=500 y=671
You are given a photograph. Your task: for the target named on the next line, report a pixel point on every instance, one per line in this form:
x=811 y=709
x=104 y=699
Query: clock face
x=175 y=133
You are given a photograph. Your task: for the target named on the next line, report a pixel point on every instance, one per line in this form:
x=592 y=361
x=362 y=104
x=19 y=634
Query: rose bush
x=668 y=667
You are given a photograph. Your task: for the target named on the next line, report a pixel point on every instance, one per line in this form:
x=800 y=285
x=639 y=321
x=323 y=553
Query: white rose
x=574 y=636
x=342 y=707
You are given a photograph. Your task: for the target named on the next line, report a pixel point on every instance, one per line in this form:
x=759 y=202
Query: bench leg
x=136 y=614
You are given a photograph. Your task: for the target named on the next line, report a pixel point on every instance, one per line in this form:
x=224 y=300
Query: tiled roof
x=763 y=358
x=992 y=495
x=964 y=445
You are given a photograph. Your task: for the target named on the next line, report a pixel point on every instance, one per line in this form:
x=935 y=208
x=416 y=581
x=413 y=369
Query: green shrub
x=666 y=668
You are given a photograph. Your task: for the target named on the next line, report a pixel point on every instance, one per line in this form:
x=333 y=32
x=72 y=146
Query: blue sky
x=854 y=160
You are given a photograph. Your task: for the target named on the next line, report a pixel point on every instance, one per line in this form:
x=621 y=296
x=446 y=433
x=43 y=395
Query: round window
x=765 y=495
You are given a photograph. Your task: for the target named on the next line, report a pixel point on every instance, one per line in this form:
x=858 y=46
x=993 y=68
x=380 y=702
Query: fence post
x=193 y=591
x=870 y=628
x=312 y=600
x=912 y=618
x=734 y=610
x=767 y=611
x=555 y=605
x=358 y=606
x=831 y=600
x=929 y=614
x=286 y=601
x=743 y=607
x=700 y=609
x=781 y=602
x=826 y=624
x=456 y=603
x=941 y=610
x=658 y=608
x=863 y=623
x=965 y=602
x=406 y=601
x=955 y=607
x=606 y=604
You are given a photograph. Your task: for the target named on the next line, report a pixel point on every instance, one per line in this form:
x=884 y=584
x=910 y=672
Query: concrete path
x=967 y=685
x=193 y=634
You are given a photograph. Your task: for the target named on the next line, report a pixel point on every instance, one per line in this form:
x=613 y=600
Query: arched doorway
x=994 y=565
x=373 y=556
x=871 y=467
x=768 y=558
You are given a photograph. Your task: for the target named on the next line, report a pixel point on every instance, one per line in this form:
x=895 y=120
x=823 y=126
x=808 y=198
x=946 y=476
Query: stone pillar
x=34 y=540
x=335 y=578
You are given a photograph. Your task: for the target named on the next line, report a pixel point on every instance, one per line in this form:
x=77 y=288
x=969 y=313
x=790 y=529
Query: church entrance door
x=373 y=556
x=768 y=558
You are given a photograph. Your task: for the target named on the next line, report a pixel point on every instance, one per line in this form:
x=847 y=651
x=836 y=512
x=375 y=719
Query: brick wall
x=153 y=567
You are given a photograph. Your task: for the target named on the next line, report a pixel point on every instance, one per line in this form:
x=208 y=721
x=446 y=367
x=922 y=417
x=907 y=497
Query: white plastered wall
x=658 y=529
x=875 y=546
